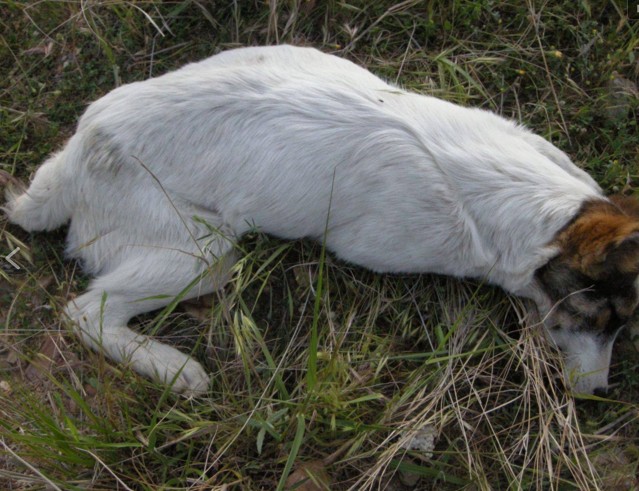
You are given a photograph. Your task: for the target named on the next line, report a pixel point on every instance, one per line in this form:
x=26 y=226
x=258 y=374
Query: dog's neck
x=525 y=231
x=515 y=191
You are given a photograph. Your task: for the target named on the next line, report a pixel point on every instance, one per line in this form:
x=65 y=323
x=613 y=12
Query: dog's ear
x=624 y=256
x=603 y=240
x=628 y=204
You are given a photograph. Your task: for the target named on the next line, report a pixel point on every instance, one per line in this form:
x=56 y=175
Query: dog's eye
x=585 y=303
x=624 y=307
x=603 y=318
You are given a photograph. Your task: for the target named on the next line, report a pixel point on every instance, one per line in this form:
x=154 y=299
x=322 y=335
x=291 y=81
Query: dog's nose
x=600 y=391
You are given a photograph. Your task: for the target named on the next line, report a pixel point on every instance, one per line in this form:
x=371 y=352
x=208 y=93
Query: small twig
x=564 y=126
x=155 y=178
x=621 y=419
x=107 y=468
x=33 y=469
x=408 y=46
x=394 y=9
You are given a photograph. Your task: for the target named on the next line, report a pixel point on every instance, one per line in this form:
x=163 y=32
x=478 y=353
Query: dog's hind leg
x=144 y=282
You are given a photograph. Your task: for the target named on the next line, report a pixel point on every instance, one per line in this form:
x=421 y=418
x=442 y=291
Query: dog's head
x=592 y=288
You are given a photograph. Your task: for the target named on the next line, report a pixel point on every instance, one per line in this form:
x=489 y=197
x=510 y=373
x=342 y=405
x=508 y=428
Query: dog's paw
x=164 y=364
x=172 y=367
x=190 y=380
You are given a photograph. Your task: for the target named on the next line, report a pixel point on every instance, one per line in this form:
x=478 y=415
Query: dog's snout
x=600 y=391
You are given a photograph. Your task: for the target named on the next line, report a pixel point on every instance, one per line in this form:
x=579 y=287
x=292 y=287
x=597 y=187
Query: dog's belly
x=405 y=221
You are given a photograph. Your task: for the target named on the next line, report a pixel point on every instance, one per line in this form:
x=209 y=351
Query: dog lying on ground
x=303 y=144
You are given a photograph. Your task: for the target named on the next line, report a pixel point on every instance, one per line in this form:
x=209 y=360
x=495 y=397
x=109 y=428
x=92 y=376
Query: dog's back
x=270 y=137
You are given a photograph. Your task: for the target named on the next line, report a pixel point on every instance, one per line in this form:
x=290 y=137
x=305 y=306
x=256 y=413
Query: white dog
x=272 y=138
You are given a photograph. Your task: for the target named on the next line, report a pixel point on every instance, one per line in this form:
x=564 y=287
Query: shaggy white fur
x=273 y=138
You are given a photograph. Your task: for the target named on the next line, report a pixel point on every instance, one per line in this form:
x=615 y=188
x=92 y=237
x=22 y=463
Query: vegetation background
x=322 y=372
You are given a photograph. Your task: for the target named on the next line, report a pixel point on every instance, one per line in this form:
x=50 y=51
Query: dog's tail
x=47 y=204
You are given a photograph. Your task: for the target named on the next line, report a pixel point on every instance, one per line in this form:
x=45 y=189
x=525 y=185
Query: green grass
x=315 y=364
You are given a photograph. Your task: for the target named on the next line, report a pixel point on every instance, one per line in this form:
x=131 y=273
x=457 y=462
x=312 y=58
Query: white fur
x=587 y=361
x=272 y=138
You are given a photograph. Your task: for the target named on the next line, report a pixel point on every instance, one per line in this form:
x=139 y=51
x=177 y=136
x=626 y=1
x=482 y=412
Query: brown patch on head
x=592 y=282
x=603 y=239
